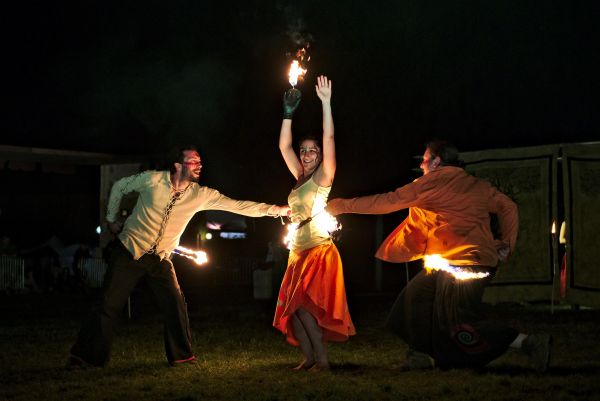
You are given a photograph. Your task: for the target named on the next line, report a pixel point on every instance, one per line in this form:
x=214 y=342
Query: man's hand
x=333 y=207
x=503 y=253
x=291 y=100
x=284 y=211
x=115 y=227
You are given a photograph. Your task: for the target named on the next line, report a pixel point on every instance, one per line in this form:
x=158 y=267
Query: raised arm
x=324 y=176
x=291 y=99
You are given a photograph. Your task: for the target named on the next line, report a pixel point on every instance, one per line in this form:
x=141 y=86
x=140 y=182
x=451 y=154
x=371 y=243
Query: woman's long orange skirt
x=314 y=281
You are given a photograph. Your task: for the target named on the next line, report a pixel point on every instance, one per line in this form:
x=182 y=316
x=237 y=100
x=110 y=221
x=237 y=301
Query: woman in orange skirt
x=311 y=306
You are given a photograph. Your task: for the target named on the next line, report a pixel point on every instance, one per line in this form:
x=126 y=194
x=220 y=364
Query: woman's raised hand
x=323 y=88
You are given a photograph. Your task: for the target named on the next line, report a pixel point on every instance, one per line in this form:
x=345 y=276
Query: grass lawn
x=241 y=357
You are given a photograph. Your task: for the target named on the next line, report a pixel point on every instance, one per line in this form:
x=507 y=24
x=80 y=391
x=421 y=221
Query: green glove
x=291 y=100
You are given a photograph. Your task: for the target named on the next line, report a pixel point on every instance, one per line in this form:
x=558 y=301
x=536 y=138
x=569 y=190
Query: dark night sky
x=138 y=77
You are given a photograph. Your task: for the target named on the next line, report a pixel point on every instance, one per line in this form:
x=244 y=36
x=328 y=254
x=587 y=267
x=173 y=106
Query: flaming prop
x=291 y=233
x=323 y=220
x=199 y=257
x=297 y=69
x=436 y=262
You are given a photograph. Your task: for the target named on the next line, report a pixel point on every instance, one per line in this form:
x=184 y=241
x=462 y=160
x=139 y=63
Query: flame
x=296 y=71
x=436 y=262
x=324 y=222
x=553 y=230
x=291 y=233
x=327 y=222
x=200 y=257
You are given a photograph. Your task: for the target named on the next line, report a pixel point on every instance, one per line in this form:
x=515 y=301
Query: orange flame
x=291 y=233
x=436 y=262
x=323 y=220
x=296 y=71
x=200 y=257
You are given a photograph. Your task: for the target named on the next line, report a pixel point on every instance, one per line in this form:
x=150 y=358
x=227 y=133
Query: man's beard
x=192 y=178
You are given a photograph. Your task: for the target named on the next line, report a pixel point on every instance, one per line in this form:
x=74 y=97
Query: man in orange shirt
x=437 y=313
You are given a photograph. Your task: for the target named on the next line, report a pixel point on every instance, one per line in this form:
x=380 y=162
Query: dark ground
x=243 y=357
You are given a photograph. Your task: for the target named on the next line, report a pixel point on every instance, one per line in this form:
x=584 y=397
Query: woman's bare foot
x=304 y=365
x=320 y=367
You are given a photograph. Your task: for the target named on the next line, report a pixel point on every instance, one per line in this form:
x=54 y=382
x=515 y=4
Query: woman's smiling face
x=310 y=155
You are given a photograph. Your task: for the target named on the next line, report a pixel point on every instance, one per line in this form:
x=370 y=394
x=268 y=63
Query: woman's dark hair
x=446 y=151
x=316 y=140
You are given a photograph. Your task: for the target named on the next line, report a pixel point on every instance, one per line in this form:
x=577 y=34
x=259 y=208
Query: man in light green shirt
x=166 y=203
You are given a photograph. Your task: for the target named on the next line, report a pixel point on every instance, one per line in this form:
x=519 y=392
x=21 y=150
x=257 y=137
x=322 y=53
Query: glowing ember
x=436 y=262
x=199 y=257
x=296 y=71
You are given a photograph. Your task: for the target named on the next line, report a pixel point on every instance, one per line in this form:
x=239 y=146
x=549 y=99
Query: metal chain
x=166 y=214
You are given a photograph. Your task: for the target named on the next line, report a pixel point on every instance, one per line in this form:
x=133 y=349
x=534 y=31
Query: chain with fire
x=323 y=220
x=436 y=262
x=199 y=257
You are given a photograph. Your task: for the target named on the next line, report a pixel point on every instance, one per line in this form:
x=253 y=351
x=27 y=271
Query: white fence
x=92 y=271
x=12 y=273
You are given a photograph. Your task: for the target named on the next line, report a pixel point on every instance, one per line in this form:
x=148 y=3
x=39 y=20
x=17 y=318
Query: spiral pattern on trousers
x=467 y=337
